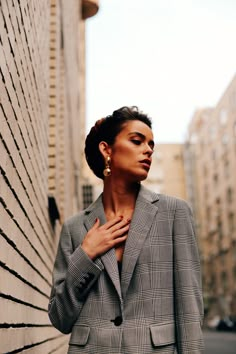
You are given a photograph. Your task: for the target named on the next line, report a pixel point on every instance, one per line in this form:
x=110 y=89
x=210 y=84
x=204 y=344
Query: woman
x=127 y=277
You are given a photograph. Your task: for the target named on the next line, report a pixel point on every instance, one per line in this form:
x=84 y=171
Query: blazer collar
x=144 y=213
x=142 y=219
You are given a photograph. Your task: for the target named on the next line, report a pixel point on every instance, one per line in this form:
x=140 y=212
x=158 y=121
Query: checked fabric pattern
x=154 y=307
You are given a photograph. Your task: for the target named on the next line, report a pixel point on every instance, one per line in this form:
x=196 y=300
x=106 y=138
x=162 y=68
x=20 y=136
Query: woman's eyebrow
x=143 y=137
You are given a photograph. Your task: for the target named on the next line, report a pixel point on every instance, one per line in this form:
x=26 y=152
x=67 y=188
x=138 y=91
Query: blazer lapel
x=142 y=219
x=109 y=261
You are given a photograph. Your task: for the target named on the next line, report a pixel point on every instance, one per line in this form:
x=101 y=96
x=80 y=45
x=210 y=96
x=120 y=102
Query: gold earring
x=107 y=170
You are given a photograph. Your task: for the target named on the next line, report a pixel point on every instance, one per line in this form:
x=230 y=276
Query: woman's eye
x=137 y=142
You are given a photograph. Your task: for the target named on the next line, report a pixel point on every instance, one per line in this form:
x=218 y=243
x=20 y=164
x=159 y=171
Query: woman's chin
x=142 y=176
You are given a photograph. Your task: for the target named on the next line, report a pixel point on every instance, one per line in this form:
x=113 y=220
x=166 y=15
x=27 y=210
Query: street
x=220 y=342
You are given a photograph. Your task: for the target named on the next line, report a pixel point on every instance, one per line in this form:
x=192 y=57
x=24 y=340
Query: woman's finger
x=119 y=225
x=96 y=224
x=122 y=230
x=112 y=222
x=120 y=239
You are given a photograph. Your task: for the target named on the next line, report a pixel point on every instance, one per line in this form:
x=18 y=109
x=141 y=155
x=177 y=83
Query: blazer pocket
x=79 y=335
x=163 y=334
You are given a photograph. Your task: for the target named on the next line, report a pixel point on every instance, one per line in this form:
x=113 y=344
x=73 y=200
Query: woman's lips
x=146 y=163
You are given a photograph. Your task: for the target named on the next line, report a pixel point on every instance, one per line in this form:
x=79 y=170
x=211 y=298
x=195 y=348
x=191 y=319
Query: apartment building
x=167 y=173
x=210 y=160
x=42 y=76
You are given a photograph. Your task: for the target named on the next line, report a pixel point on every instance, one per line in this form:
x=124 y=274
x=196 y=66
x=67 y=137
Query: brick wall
x=41 y=100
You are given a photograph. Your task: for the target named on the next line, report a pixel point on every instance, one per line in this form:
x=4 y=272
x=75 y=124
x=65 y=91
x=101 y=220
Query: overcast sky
x=168 y=57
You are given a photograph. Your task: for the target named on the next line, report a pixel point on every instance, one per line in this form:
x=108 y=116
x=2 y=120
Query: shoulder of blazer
x=79 y=217
x=162 y=200
x=74 y=219
x=172 y=203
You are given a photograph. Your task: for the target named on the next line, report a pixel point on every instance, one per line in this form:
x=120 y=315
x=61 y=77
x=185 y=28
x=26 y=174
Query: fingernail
x=96 y=220
x=128 y=220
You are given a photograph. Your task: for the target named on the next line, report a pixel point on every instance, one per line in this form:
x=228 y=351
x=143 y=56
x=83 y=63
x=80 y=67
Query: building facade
x=167 y=173
x=210 y=159
x=42 y=76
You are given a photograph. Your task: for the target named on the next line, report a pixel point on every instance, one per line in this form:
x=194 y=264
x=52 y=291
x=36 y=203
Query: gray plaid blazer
x=154 y=306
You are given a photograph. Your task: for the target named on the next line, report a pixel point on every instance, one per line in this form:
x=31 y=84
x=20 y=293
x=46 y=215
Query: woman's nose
x=149 y=150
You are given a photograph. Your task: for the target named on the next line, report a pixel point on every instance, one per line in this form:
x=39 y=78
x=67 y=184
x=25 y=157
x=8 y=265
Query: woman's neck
x=119 y=198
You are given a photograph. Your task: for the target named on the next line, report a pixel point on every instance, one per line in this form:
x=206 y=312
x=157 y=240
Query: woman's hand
x=100 y=239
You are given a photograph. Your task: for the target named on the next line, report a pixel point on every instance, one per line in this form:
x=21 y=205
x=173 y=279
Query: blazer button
x=117 y=321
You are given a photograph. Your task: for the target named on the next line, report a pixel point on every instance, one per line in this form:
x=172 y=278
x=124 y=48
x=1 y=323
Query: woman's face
x=131 y=153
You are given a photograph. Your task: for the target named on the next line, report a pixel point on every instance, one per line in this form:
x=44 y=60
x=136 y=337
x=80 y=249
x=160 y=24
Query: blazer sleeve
x=73 y=276
x=187 y=283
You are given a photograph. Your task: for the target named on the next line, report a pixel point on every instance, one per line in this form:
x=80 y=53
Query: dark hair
x=106 y=129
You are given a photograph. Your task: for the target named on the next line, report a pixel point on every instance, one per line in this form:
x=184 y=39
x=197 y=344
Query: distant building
x=167 y=173
x=42 y=119
x=210 y=160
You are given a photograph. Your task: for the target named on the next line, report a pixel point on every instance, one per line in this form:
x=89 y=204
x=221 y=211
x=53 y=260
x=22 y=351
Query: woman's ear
x=104 y=148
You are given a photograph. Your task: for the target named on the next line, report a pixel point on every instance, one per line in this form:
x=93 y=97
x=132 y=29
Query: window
x=226 y=168
x=206 y=189
x=213 y=154
x=205 y=171
x=215 y=178
x=208 y=213
x=220 y=229
x=225 y=139
x=212 y=282
x=229 y=195
x=212 y=132
x=231 y=222
x=223 y=116
x=177 y=157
